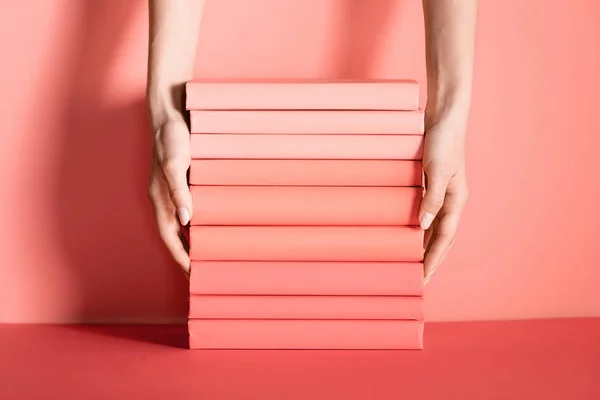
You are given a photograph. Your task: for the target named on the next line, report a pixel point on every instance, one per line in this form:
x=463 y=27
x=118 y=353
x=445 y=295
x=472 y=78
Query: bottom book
x=305 y=334
x=307 y=307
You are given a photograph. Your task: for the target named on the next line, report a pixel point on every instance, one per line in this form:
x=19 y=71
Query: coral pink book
x=303 y=205
x=306 y=278
x=318 y=147
x=302 y=243
x=303 y=95
x=306 y=172
x=308 y=122
x=306 y=307
x=305 y=334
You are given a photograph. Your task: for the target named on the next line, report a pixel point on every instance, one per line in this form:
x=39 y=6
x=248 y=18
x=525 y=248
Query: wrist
x=448 y=106
x=165 y=103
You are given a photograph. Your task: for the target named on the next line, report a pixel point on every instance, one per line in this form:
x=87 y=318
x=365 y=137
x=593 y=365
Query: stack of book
x=305 y=231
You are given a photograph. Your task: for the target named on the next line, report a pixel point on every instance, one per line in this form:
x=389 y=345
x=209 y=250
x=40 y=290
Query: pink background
x=77 y=238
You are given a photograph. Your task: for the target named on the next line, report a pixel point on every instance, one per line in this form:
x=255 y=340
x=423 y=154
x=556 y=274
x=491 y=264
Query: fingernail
x=426 y=220
x=184 y=215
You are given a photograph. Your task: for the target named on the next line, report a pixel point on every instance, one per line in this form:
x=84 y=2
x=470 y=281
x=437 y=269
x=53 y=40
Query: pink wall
x=77 y=239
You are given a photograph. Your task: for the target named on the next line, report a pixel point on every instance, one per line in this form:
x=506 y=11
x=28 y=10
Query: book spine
x=306 y=278
x=363 y=173
x=312 y=206
x=308 y=122
x=402 y=95
x=306 y=307
x=317 y=147
x=305 y=334
x=299 y=243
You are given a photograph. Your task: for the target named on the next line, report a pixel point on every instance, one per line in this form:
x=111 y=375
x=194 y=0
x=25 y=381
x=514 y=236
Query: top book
x=393 y=95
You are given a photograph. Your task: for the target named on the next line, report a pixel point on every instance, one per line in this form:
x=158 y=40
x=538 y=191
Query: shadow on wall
x=104 y=220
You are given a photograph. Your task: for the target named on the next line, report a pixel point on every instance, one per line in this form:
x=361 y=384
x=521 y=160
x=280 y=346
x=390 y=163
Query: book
x=303 y=205
x=302 y=243
x=305 y=334
x=266 y=122
x=306 y=278
x=320 y=147
x=306 y=172
x=306 y=307
x=303 y=95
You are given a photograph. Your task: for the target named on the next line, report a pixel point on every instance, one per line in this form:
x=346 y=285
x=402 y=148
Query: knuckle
x=435 y=202
x=446 y=174
x=166 y=233
x=163 y=234
x=448 y=237
x=438 y=170
x=176 y=194
x=152 y=191
x=466 y=193
x=170 y=165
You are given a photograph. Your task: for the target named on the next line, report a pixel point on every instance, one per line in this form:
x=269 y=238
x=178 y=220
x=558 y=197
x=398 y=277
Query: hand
x=168 y=189
x=446 y=191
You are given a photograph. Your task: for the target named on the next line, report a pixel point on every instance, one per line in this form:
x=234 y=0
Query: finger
x=430 y=235
x=170 y=234
x=446 y=225
x=435 y=192
x=170 y=231
x=442 y=243
x=175 y=172
x=186 y=245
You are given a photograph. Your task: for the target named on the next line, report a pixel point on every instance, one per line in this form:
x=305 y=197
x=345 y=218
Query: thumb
x=435 y=193
x=176 y=176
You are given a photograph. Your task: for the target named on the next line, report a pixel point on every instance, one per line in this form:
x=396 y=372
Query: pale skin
x=450 y=33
